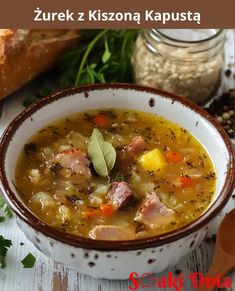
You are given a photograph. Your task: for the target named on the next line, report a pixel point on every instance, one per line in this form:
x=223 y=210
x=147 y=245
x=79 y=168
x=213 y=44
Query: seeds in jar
x=177 y=70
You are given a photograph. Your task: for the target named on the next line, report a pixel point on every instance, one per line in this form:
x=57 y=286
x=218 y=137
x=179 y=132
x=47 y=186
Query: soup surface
x=115 y=175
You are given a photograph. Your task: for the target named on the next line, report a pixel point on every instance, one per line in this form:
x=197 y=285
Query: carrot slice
x=185 y=181
x=101 y=120
x=174 y=157
x=107 y=209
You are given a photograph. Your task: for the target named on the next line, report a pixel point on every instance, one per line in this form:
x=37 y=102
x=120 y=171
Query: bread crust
x=24 y=54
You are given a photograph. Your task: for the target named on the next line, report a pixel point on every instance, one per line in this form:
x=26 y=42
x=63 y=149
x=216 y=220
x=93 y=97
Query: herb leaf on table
x=29 y=261
x=4 y=246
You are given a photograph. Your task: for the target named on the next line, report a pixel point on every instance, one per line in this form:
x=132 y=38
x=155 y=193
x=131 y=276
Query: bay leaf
x=102 y=154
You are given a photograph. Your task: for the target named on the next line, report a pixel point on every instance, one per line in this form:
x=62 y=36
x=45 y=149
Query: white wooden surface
x=48 y=275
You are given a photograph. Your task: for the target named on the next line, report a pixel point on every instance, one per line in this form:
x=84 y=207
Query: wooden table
x=48 y=275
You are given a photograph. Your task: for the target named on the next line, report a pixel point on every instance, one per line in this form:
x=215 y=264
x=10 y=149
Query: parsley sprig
x=4 y=246
x=104 y=56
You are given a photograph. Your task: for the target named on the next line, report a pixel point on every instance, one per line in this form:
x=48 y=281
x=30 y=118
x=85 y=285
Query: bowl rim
x=24 y=214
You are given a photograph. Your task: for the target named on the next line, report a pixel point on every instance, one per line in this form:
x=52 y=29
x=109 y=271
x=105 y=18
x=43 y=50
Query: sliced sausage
x=135 y=147
x=120 y=195
x=153 y=212
x=111 y=232
x=73 y=165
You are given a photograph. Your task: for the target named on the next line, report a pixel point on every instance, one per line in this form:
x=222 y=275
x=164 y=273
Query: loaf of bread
x=24 y=54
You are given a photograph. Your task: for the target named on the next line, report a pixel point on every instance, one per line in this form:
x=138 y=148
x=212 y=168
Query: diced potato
x=101 y=190
x=47 y=153
x=153 y=161
x=115 y=139
x=64 y=214
x=44 y=198
x=96 y=201
x=77 y=140
x=34 y=175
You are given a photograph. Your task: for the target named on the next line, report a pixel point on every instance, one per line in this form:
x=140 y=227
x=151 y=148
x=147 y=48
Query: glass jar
x=186 y=62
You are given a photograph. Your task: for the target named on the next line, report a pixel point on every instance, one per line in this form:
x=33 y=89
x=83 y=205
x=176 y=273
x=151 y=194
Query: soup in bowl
x=114 y=174
x=111 y=179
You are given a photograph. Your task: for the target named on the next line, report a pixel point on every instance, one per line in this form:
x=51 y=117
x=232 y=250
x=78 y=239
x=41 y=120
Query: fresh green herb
x=29 y=261
x=101 y=153
x=44 y=91
x=5 y=208
x=107 y=54
x=104 y=56
x=4 y=246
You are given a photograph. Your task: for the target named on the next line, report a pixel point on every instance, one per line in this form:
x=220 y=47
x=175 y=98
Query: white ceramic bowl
x=105 y=259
